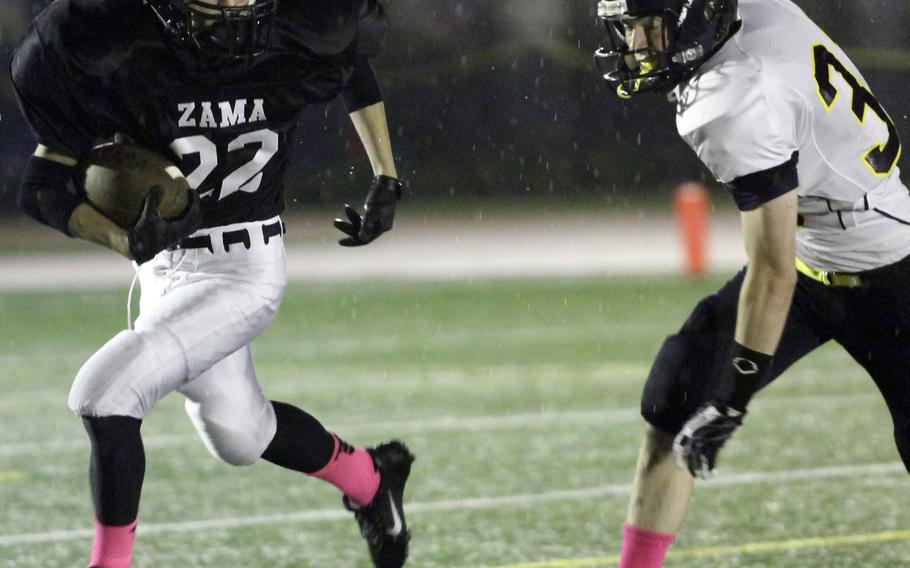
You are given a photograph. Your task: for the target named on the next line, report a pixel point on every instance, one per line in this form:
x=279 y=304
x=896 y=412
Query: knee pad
x=683 y=374
x=127 y=376
x=236 y=436
x=660 y=403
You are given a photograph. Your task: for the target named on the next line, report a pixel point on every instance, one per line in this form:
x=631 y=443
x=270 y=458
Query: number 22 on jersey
x=881 y=158
x=247 y=177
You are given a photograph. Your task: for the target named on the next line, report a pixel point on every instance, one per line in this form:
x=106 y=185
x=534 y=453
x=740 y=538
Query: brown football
x=118 y=177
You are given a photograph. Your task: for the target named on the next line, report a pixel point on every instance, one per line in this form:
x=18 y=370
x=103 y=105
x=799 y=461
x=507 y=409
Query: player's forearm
x=373 y=130
x=764 y=303
x=769 y=235
x=88 y=224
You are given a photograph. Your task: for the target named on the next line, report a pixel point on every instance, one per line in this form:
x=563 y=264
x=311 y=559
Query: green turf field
x=519 y=399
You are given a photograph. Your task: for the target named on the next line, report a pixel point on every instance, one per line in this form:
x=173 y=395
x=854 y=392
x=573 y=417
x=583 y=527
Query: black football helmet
x=216 y=31
x=653 y=45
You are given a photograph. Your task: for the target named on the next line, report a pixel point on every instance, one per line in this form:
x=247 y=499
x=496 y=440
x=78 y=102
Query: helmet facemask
x=652 y=45
x=216 y=31
x=235 y=32
x=634 y=56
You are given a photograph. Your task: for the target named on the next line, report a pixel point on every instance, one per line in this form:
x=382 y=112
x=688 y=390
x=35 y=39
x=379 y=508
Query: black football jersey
x=88 y=70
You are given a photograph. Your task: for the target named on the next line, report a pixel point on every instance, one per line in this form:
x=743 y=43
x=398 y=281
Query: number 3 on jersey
x=881 y=158
x=246 y=178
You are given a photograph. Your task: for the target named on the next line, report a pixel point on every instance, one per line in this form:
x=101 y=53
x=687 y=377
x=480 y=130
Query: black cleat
x=382 y=522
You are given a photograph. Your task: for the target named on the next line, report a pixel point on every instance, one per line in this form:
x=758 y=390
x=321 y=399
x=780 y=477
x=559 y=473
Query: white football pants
x=199 y=311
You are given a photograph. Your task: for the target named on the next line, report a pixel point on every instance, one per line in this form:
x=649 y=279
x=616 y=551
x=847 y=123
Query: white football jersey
x=781 y=86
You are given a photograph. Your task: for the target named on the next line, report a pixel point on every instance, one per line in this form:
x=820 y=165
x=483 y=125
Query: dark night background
x=500 y=100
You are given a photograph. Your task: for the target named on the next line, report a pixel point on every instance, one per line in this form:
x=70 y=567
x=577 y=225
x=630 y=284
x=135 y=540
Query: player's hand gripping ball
x=703 y=435
x=142 y=192
x=152 y=234
x=378 y=215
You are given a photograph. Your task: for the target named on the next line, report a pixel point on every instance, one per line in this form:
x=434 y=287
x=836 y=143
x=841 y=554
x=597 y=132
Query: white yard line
x=476 y=503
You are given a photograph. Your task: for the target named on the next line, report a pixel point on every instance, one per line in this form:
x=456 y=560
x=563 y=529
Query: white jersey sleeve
x=781 y=106
x=740 y=121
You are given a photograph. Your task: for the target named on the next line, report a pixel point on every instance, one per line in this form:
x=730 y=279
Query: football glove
x=378 y=215
x=703 y=435
x=151 y=234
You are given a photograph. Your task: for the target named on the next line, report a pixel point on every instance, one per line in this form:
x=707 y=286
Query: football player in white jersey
x=780 y=115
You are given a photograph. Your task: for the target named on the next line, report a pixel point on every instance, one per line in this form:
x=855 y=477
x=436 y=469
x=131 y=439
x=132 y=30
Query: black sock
x=117 y=467
x=301 y=443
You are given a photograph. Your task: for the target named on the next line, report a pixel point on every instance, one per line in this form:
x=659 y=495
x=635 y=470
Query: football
x=117 y=178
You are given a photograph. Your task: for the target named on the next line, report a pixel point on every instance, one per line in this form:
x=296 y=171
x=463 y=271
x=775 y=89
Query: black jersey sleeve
x=41 y=83
x=362 y=88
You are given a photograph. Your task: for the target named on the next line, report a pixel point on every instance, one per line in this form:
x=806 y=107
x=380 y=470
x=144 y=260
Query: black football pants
x=872 y=322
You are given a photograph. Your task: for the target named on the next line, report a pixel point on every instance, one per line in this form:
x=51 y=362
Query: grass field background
x=519 y=398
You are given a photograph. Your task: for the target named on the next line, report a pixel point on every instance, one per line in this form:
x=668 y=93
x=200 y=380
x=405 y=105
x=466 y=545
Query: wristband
x=745 y=373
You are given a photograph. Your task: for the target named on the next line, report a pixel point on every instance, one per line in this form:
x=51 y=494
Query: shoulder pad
x=721 y=91
x=93 y=35
x=739 y=120
x=333 y=27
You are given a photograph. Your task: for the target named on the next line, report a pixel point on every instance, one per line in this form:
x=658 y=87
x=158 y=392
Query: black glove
x=703 y=435
x=151 y=234
x=378 y=215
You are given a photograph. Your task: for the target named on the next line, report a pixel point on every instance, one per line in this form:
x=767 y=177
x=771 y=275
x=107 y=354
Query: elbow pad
x=45 y=196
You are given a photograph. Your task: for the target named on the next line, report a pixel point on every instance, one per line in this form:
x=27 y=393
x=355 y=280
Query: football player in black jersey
x=216 y=86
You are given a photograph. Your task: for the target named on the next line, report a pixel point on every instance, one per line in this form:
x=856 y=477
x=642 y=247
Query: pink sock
x=113 y=546
x=642 y=548
x=352 y=471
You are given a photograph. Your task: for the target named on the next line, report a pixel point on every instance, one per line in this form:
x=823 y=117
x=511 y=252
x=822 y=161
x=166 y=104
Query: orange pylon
x=692 y=212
